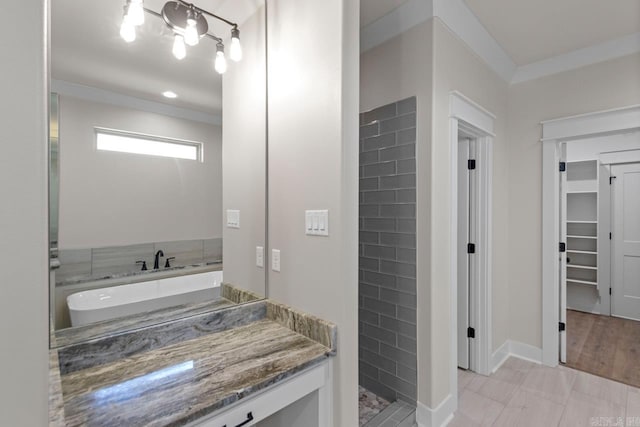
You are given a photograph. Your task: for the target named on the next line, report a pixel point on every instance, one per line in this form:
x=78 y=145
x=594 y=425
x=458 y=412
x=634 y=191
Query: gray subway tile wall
x=387 y=267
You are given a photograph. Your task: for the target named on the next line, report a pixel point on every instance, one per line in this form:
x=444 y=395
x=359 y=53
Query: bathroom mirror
x=157 y=202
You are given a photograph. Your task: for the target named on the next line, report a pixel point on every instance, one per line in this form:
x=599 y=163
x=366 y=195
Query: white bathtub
x=109 y=303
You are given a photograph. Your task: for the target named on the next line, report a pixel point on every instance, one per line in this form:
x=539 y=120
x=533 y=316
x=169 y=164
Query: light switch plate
x=259 y=256
x=275 y=259
x=233 y=218
x=316 y=223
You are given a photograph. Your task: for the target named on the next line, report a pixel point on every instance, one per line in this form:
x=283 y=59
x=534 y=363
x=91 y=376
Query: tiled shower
x=387 y=244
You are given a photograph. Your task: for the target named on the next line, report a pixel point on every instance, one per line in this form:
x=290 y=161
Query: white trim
x=500 y=356
x=626 y=156
x=606 y=51
x=462 y=22
x=457 y=16
x=102 y=96
x=479 y=123
x=515 y=349
x=592 y=124
x=396 y=22
x=440 y=416
x=554 y=132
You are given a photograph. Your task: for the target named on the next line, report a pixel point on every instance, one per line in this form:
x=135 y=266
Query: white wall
x=113 y=199
x=457 y=68
x=601 y=86
x=23 y=218
x=313 y=164
x=244 y=157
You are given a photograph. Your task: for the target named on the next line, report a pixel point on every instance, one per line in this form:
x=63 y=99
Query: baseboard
x=515 y=349
x=438 y=417
x=500 y=356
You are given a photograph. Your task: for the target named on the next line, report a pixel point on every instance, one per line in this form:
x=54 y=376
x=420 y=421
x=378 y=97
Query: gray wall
x=23 y=217
x=244 y=157
x=117 y=199
x=387 y=285
x=313 y=164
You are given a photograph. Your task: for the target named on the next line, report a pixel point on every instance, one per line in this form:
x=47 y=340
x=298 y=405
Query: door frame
x=554 y=132
x=477 y=123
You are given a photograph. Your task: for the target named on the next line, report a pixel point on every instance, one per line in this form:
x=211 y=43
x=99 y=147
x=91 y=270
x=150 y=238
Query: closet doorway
x=600 y=255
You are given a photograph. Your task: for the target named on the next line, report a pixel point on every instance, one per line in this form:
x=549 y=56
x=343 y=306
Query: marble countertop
x=175 y=384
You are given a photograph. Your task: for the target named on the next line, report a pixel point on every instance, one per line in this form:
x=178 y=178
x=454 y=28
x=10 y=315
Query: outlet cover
x=233 y=218
x=275 y=259
x=260 y=256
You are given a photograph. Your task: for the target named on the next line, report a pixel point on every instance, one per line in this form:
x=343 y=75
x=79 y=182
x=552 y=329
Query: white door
x=625 y=254
x=563 y=255
x=466 y=260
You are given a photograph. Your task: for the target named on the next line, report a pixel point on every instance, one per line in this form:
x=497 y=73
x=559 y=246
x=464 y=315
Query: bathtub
x=109 y=303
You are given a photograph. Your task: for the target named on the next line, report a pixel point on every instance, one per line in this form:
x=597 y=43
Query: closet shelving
x=582 y=223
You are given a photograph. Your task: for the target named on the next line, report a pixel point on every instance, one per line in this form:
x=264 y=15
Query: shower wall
x=387 y=268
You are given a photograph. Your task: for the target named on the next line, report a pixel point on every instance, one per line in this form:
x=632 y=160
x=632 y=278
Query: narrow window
x=128 y=142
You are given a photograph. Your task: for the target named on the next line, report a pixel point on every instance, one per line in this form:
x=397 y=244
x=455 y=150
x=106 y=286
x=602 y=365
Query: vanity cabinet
x=314 y=384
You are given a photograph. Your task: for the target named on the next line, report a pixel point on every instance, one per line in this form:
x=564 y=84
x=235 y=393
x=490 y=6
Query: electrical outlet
x=259 y=256
x=275 y=260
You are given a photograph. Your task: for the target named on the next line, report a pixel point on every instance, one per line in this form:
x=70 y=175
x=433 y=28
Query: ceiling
x=86 y=49
x=372 y=10
x=533 y=30
x=530 y=31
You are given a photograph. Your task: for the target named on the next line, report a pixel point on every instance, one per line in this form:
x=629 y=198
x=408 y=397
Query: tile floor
x=397 y=414
x=525 y=394
x=369 y=404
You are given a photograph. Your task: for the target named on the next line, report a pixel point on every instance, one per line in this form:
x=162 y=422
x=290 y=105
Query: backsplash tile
x=96 y=263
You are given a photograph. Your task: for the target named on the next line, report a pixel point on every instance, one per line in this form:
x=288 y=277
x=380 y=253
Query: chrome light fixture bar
x=188 y=23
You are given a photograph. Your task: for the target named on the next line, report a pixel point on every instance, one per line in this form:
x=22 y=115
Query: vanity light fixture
x=188 y=23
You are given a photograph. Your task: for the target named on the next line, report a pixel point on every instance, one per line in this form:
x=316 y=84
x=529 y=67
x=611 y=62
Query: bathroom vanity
x=231 y=367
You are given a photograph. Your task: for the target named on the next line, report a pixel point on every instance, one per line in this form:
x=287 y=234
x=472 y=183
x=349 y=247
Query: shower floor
x=370 y=405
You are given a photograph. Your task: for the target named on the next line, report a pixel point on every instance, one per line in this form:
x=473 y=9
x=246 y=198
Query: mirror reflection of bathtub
x=109 y=303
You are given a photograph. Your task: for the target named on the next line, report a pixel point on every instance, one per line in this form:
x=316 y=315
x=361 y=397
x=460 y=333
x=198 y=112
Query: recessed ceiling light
x=169 y=94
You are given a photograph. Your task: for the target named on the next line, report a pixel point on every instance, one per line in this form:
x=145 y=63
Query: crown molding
x=89 y=93
x=457 y=16
x=579 y=58
x=396 y=22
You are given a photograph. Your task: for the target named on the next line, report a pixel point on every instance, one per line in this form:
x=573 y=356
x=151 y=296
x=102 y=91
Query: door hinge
x=471 y=248
x=471 y=164
x=563 y=167
x=562 y=326
x=563 y=247
x=610 y=236
x=471 y=332
x=611 y=178
x=610 y=291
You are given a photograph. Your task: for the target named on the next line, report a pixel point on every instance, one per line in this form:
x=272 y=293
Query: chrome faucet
x=156 y=263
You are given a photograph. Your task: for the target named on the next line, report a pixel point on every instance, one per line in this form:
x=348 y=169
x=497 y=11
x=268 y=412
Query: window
x=128 y=142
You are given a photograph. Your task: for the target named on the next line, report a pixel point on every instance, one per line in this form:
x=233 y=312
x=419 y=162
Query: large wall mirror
x=158 y=161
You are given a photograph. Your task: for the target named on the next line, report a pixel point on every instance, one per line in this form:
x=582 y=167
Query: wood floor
x=605 y=346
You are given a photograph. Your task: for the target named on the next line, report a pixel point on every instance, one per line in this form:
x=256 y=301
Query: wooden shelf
x=582 y=252
x=581 y=237
x=582 y=282
x=582 y=222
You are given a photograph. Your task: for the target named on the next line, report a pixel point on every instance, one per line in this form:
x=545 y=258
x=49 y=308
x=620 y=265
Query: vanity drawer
x=251 y=410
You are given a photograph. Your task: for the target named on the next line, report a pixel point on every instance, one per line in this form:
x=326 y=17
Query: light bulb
x=135 y=12
x=235 y=50
x=191 y=36
x=221 y=62
x=127 y=30
x=179 y=49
